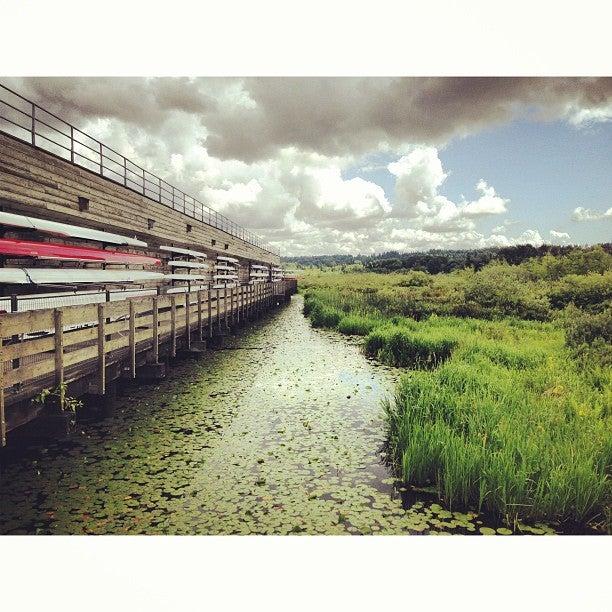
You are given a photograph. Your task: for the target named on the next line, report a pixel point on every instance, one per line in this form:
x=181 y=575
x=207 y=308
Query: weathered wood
x=173 y=325
x=200 y=314
x=101 y=350
x=65 y=356
x=41 y=180
x=188 y=319
x=209 y=313
x=155 y=330
x=58 y=318
x=132 y=340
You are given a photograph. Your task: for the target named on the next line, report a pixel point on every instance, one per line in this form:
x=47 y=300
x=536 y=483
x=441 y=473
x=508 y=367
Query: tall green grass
x=496 y=414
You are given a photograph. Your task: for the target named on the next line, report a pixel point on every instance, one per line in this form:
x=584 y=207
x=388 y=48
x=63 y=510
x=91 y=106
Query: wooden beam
x=209 y=313
x=188 y=319
x=173 y=325
x=132 y=339
x=200 y=317
x=155 y=330
x=58 y=320
x=101 y=350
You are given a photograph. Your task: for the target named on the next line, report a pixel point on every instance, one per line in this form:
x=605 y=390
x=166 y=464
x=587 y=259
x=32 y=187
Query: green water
x=280 y=432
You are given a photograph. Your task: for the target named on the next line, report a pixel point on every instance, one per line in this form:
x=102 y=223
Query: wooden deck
x=41 y=349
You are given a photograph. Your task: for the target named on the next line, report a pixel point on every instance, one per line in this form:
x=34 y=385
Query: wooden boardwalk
x=86 y=346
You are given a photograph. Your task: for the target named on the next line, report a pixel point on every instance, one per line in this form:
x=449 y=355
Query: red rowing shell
x=48 y=250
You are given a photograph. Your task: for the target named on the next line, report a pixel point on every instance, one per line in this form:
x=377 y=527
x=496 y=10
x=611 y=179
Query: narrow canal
x=280 y=432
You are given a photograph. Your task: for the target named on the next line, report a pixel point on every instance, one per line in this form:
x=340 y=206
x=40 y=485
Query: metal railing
x=25 y=120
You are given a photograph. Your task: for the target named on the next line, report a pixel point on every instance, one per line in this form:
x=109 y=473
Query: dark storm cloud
x=332 y=116
x=344 y=116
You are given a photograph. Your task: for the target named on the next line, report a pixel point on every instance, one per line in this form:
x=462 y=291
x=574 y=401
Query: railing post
x=72 y=144
x=156 y=330
x=188 y=318
x=125 y=171
x=101 y=161
x=173 y=324
x=101 y=350
x=132 y=339
x=144 y=182
x=58 y=320
x=160 y=189
x=200 y=318
x=209 y=311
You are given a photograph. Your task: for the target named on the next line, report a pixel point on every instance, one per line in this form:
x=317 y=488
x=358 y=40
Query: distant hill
x=433 y=261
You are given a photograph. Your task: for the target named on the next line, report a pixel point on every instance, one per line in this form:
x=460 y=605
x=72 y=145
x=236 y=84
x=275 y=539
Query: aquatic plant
x=498 y=414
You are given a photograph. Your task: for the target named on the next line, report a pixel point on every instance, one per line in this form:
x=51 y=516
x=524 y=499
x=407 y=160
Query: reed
x=497 y=415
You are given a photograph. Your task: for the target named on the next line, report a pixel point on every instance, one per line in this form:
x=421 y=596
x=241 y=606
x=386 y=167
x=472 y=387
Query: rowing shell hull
x=65 y=276
x=63 y=252
x=66 y=230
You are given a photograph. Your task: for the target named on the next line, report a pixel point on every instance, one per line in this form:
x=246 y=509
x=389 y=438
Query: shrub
x=592 y=291
x=416 y=278
x=588 y=335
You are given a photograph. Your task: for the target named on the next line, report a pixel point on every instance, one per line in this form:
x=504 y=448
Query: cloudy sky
x=364 y=165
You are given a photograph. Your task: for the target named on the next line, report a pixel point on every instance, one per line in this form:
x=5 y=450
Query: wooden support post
x=132 y=339
x=101 y=350
x=218 y=311
x=209 y=312
x=188 y=319
x=233 y=305
x=200 y=318
x=58 y=319
x=240 y=296
x=225 y=310
x=2 y=417
x=155 y=330
x=173 y=325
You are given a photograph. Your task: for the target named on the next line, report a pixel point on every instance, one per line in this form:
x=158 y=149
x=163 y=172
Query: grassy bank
x=498 y=412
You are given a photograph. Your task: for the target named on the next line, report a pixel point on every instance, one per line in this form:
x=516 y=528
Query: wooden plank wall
x=39 y=183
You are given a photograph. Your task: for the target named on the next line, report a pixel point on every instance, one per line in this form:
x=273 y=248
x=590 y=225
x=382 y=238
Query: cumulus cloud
x=586 y=214
x=419 y=178
x=275 y=154
x=562 y=237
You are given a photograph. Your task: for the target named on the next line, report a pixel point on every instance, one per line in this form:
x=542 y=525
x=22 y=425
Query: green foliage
x=487 y=439
x=590 y=291
x=416 y=278
x=56 y=397
x=357 y=325
x=401 y=347
x=507 y=404
x=589 y=335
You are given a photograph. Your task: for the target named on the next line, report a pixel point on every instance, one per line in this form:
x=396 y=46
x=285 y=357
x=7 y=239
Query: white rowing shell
x=223 y=267
x=172 y=249
x=224 y=258
x=186 y=277
x=66 y=230
x=68 y=276
x=187 y=264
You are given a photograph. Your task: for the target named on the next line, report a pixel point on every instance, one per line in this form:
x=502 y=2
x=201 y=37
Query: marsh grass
x=495 y=414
